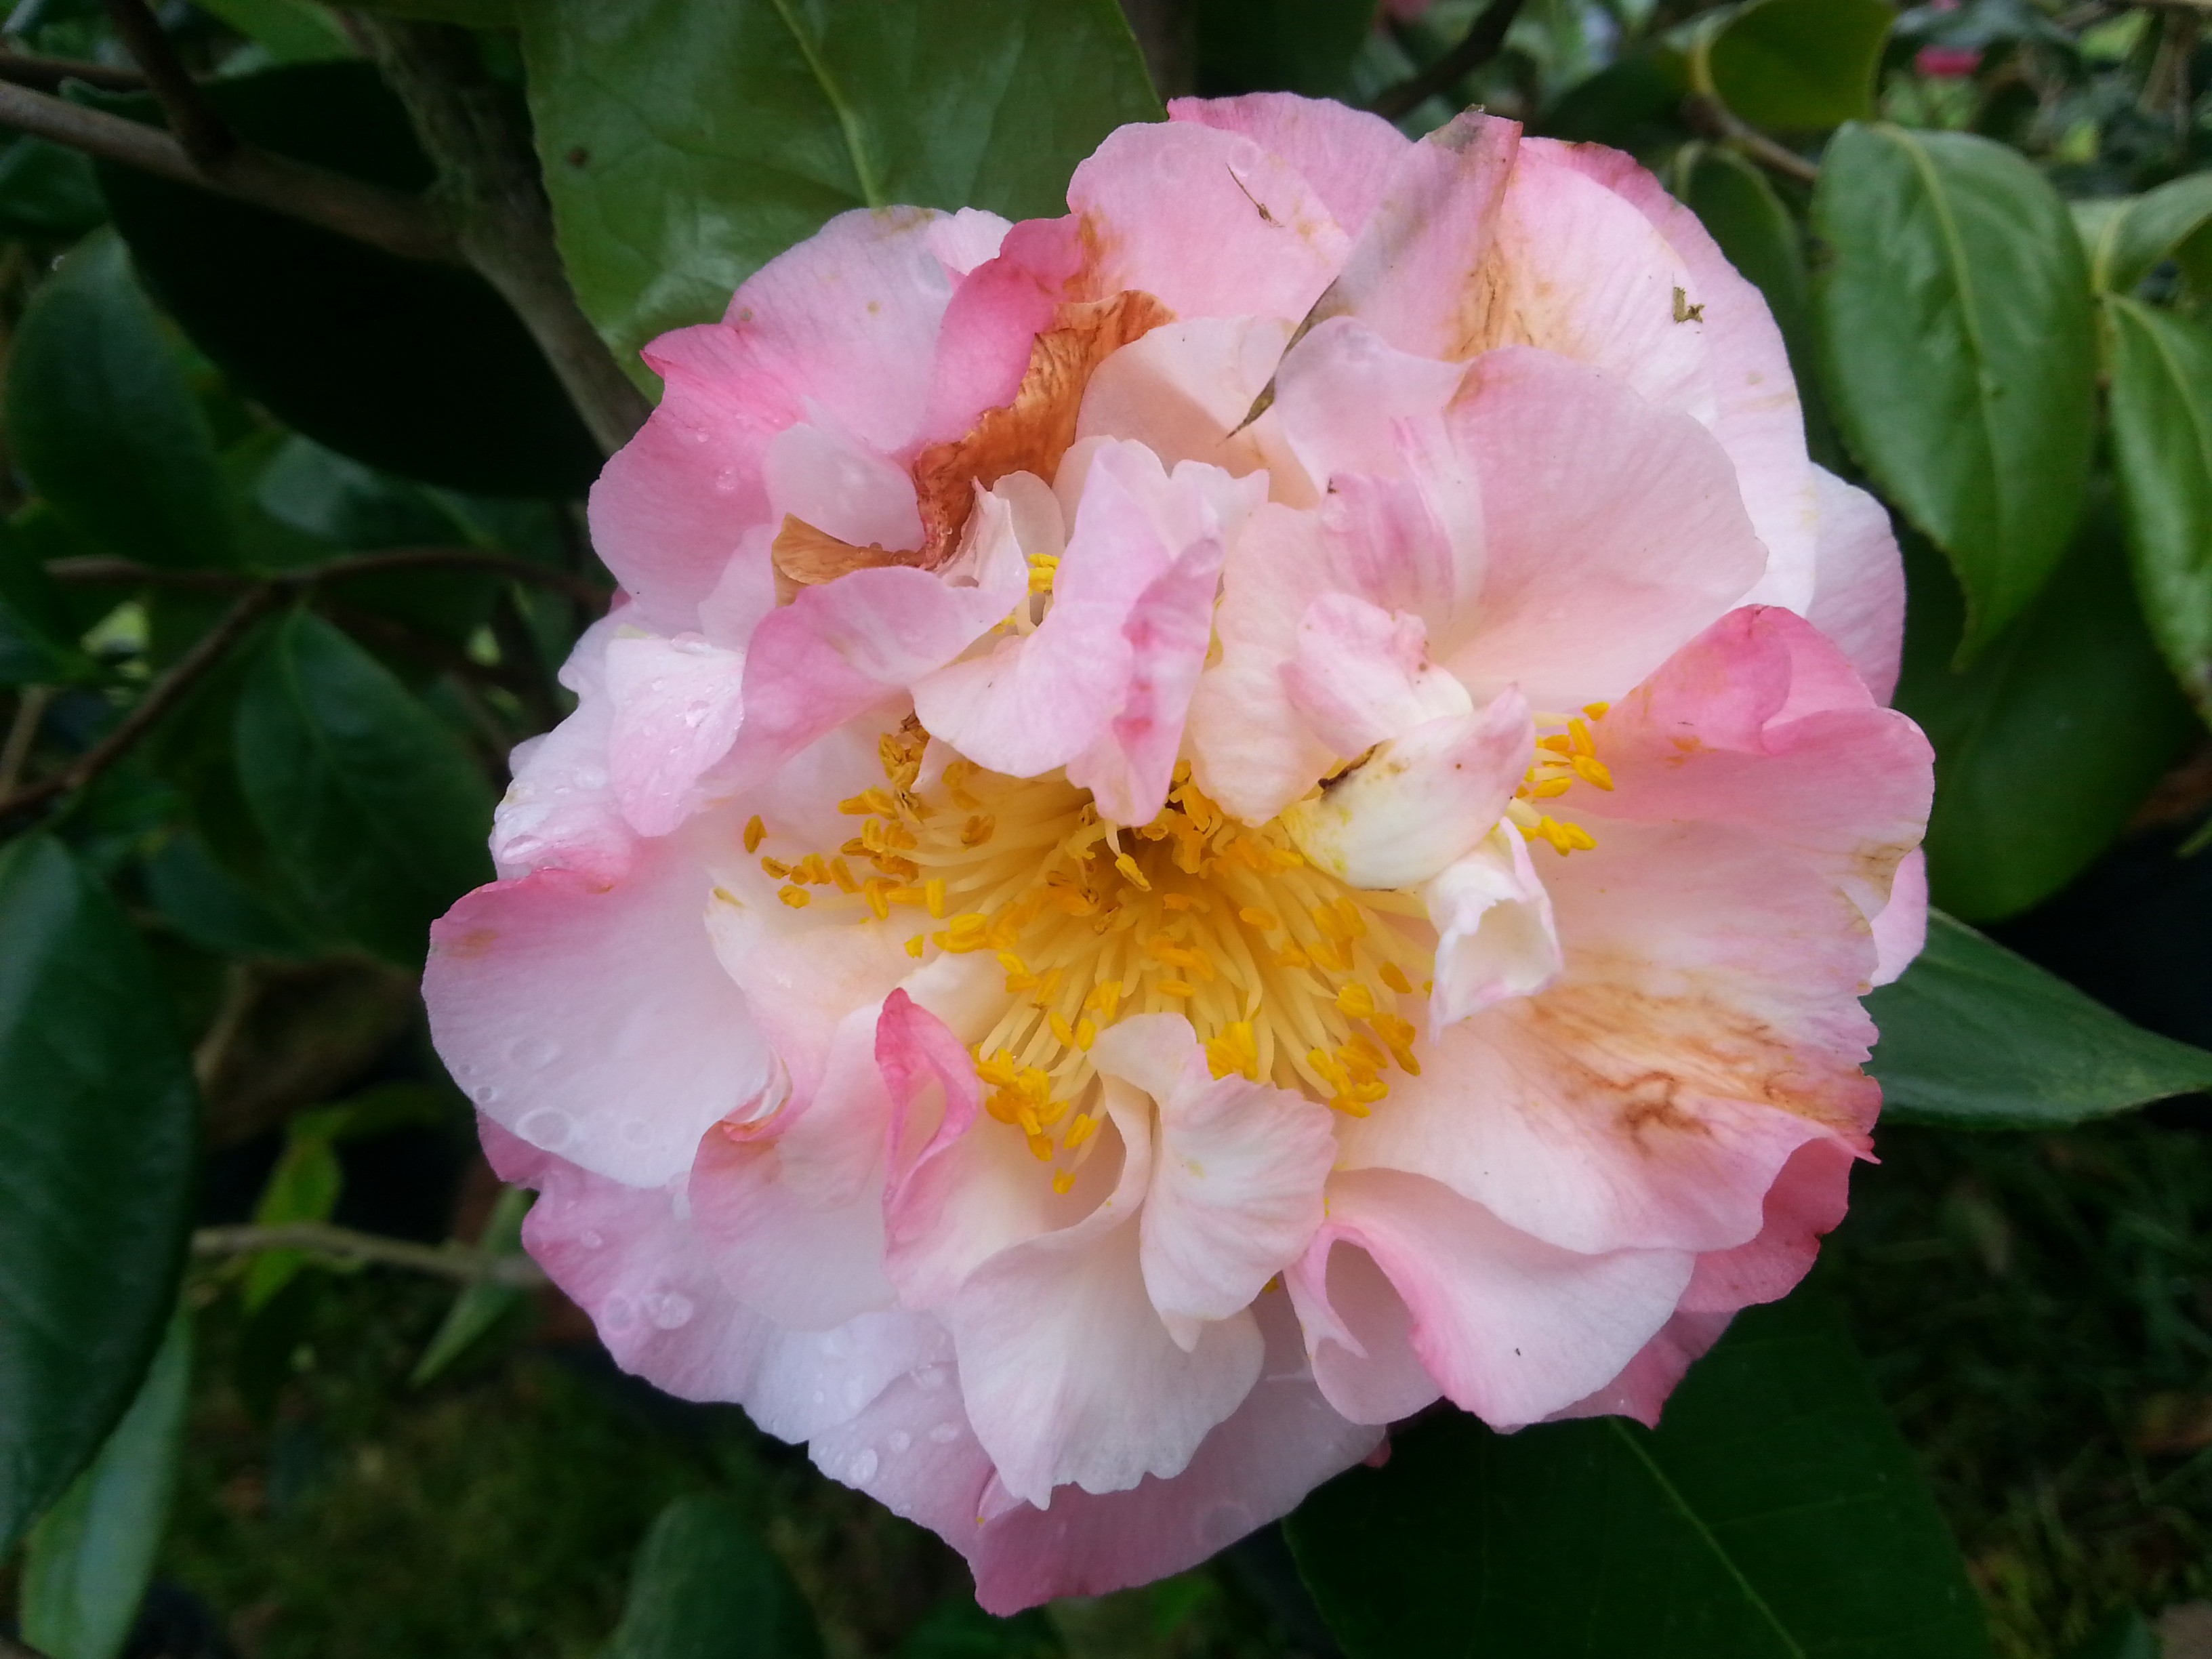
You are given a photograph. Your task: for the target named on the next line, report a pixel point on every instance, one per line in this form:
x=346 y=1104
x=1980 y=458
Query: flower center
x=1286 y=975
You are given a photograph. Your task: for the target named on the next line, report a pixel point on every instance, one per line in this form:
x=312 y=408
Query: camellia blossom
x=1202 y=825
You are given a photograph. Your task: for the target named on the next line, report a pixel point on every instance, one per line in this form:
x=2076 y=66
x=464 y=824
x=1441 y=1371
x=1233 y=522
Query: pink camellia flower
x=1204 y=822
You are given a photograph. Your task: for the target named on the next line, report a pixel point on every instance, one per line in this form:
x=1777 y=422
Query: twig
x=162 y=696
x=206 y=136
x=23 y=730
x=488 y=183
x=1706 y=115
x=389 y=219
x=48 y=73
x=450 y=1260
x=98 y=571
x=1484 y=40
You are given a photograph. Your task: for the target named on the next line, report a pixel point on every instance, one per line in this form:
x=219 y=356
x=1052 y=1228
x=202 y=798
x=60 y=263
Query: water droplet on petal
x=618 y=1312
x=669 y=1311
x=543 y=1127
x=534 y=1054
x=863 y=1466
x=900 y=1440
x=590 y=1240
x=944 y=1434
x=929 y=1377
x=485 y=1093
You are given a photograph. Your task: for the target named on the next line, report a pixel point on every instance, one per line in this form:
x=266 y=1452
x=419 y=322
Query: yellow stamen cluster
x=1564 y=758
x=1286 y=975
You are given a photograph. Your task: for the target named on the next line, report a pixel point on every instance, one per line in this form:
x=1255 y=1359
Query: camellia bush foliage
x=319 y=325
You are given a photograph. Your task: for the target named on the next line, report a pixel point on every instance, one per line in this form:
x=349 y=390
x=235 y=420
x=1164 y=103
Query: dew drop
x=669 y=1311
x=545 y=1127
x=929 y=1377
x=534 y=1054
x=864 y=1466
x=899 y=1440
x=484 y=1094
x=944 y=1434
x=591 y=1240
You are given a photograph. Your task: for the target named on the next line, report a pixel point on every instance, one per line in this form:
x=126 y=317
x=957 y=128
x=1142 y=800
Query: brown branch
x=465 y=1262
x=98 y=571
x=489 y=182
x=48 y=73
x=389 y=219
x=161 y=696
x=1484 y=40
x=31 y=703
x=206 y=136
x=1707 y=116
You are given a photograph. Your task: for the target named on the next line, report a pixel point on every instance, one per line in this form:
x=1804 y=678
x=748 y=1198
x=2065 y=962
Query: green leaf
x=479 y=1306
x=1953 y=331
x=292 y=31
x=97 y=1112
x=302 y=1187
x=1278 y=46
x=376 y=812
x=955 y=1628
x=2161 y=407
x=420 y=368
x=705 y=1587
x=48 y=191
x=103 y=420
x=1775 y=1514
x=686 y=145
x=2127 y=1636
x=2046 y=745
x=1975 y=1037
x=87 y=1565
x=2128 y=238
x=1798 y=65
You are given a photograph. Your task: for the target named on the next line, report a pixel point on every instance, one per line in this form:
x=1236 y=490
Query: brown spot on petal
x=1033 y=432
x=806 y=557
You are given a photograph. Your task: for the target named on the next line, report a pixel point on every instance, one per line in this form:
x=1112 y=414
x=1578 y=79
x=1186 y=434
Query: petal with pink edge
x=1900 y=927
x=1612 y=530
x=593 y=1019
x=807 y=1265
x=1237 y=1169
x=1362 y=675
x=676 y=708
x=1512 y=1328
x=1069 y=1374
x=1858 y=582
x=1345 y=154
x=1359 y=1335
x=1206 y=222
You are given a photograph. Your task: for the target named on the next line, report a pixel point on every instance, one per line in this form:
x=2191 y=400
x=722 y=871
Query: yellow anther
x=1291 y=957
x=1234 y=1050
x=841 y=873
x=1013 y=963
x=877 y=891
x=728 y=897
x=1593 y=769
x=1174 y=987
x=932 y=895
x=1395 y=976
x=869 y=803
x=1596 y=711
x=1105 y=997
x=1127 y=866
x=1185 y=902
x=977 y=829
x=1041 y=1148
x=796 y=898
x=1579 y=732
x=755 y=833
x=1558 y=743
x=1353 y=918
x=1062 y=1180
x=914 y=947
x=776 y=868
x=1325 y=918
x=1042 y=566
x=812 y=868
x=1396 y=1032
x=1266 y=920
x=1350 y=1106
x=1081 y=1131
x=1062 y=1032
x=1329 y=956
x=1086 y=1034
x=1551 y=787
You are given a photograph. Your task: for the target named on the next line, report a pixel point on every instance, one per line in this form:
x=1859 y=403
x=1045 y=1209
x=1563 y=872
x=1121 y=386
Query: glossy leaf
x=97 y=1110
x=2128 y=1636
x=87 y=1565
x=2128 y=238
x=705 y=1587
x=47 y=191
x=780 y=113
x=303 y=1186
x=101 y=416
x=1800 y=64
x=290 y=31
x=374 y=809
x=2161 y=410
x=416 y=368
x=2046 y=745
x=1278 y=46
x=1976 y=1038
x=1775 y=1515
x=1953 y=331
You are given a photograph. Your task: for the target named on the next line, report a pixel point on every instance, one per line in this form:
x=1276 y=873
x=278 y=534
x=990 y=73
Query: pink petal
x=1900 y=927
x=1412 y=275
x=675 y=711
x=1612 y=532
x=805 y=1264
x=1760 y=723
x=1237 y=1174
x=1069 y=1374
x=1362 y=675
x=1807 y=1201
x=1704 y=1025
x=1641 y=1389
x=1345 y=156
x=1359 y=1334
x=1420 y=801
x=1183 y=390
x=1513 y=1329
x=821 y=474
x=1858 y=583
x=593 y=1019
x=1208 y=222
x=561 y=812
x=1342 y=393
x=1754 y=410
x=993 y=320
